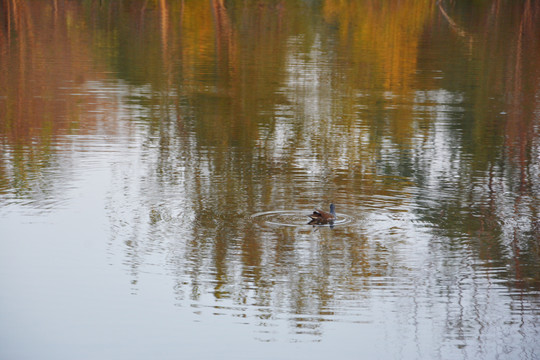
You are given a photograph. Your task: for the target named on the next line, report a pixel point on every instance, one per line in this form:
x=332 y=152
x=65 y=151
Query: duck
x=322 y=217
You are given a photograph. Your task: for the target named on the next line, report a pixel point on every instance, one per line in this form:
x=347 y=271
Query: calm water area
x=158 y=160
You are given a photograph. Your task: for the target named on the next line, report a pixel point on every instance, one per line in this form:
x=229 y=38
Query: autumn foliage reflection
x=263 y=104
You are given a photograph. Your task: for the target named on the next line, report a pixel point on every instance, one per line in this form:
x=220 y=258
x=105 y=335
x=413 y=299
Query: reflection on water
x=157 y=169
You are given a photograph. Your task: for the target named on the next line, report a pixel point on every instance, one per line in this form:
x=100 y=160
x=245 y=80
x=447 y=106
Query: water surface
x=158 y=161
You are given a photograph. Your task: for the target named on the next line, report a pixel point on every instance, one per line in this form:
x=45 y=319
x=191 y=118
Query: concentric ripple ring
x=295 y=218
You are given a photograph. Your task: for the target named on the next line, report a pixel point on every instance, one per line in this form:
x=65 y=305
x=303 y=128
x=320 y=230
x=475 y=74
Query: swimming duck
x=322 y=217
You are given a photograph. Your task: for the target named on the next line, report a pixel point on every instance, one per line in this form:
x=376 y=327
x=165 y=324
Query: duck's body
x=323 y=217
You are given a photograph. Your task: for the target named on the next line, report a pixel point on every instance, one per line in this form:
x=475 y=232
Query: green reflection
x=422 y=126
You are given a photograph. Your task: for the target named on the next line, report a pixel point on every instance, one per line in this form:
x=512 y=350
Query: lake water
x=158 y=160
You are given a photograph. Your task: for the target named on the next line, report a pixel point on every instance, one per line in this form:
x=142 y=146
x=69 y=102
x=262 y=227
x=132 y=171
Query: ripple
x=296 y=218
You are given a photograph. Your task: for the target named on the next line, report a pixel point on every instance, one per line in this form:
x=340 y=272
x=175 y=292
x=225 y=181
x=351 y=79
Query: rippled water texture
x=295 y=218
x=159 y=160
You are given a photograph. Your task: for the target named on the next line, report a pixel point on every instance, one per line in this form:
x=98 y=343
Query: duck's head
x=333 y=210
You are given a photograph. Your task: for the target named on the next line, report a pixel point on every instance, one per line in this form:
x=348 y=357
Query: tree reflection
x=251 y=106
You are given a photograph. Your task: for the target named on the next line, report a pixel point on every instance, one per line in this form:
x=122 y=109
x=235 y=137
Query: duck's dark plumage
x=323 y=217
